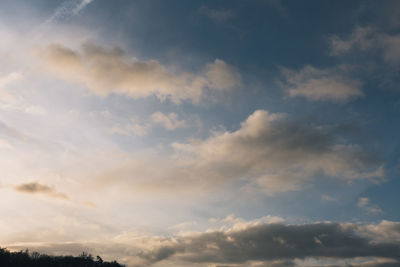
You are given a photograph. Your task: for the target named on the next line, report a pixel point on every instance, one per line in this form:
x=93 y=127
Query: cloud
x=41 y=189
x=391 y=48
x=361 y=38
x=232 y=223
x=278 y=154
x=384 y=231
x=216 y=15
x=364 y=203
x=9 y=79
x=365 y=39
x=6 y=81
x=321 y=84
x=271 y=242
x=107 y=71
x=134 y=127
x=169 y=122
x=269 y=153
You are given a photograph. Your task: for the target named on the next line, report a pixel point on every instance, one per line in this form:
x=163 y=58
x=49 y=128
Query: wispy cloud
x=315 y=84
x=365 y=204
x=216 y=15
x=365 y=39
x=169 y=122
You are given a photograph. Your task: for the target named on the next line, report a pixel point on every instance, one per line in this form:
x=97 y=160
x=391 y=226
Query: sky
x=209 y=133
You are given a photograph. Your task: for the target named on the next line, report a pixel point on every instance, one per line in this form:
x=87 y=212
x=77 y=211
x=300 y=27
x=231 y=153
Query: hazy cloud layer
x=321 y=84
x=106 y=71
x=40 y=189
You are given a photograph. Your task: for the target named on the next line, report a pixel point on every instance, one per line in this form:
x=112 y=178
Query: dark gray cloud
x=271 y=242
x=37 y=188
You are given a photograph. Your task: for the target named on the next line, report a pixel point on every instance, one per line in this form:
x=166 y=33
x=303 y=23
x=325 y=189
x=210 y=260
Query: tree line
x=35 y=259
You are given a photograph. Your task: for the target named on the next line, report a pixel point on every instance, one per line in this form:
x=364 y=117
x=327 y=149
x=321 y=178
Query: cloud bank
x=271 y=242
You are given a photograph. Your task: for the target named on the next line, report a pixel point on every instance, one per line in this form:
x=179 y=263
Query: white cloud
x=132 y=128
x=365 y=204
x=168 y=121
x=106 y=71
x=233 y=223
x=321 y=84
x=9 y=79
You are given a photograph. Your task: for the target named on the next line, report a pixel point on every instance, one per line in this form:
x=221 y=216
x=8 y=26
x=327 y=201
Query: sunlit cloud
x=270 y=152
x=110 y=71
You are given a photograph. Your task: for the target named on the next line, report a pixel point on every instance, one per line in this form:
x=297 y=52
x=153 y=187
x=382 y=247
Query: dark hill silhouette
x=35 y=259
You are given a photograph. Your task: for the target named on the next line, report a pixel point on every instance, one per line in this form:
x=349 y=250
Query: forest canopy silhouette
x=27 y=259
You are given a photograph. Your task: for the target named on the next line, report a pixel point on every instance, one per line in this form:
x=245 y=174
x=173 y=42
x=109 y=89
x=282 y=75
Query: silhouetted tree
x=35 y=259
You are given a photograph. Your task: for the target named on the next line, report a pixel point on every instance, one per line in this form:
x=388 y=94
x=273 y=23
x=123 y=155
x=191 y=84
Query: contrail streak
x=67 y=9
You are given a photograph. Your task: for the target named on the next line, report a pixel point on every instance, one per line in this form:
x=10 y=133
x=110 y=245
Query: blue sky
x=146 y=131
